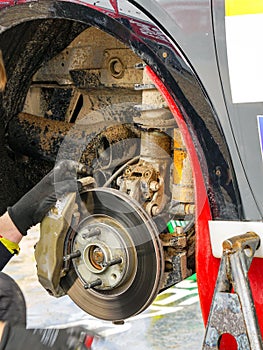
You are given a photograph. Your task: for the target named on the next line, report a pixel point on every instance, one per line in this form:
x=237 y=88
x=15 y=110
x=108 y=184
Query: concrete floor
x=173 y=321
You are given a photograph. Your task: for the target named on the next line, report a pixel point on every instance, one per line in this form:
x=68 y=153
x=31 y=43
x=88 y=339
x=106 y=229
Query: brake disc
x=118 y=264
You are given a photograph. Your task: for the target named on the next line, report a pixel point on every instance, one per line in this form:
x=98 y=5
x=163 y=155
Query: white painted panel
x=245 y=53
x=222 y=230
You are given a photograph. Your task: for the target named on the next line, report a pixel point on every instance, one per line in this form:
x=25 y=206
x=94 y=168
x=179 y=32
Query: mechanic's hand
x=35 y=204
x=74 y=338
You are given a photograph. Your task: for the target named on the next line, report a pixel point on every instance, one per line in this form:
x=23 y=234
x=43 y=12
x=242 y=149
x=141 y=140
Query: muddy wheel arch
x=30 y=48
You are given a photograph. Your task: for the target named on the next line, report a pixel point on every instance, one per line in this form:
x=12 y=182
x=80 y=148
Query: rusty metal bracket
x=232 y=310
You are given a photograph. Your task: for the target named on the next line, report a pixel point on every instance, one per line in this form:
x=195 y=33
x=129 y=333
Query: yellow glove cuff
x=11 y=246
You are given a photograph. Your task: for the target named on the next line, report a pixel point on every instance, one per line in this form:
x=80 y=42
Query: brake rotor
x=118 y=266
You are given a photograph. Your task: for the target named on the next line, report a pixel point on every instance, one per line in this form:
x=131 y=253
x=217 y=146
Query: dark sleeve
x=18 y=338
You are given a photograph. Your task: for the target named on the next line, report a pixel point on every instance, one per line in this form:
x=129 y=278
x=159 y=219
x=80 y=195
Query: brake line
x=120 y=170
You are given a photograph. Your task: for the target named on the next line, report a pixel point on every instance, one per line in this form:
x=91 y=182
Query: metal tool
x=232 y=311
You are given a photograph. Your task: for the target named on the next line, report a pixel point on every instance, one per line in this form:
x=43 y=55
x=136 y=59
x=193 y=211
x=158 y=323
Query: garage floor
x=173 y=321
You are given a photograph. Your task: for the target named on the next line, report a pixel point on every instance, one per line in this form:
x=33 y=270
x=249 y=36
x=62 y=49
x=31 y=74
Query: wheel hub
x=118 y=266
x=105 y=256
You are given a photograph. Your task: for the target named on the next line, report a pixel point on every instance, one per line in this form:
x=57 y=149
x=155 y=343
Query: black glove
x=74 y=338
x=35 y=204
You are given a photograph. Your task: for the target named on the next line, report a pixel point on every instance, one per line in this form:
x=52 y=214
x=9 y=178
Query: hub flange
x=120 y=266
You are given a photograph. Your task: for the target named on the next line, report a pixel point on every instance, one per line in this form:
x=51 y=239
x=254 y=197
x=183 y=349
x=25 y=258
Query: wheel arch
x=204 y=129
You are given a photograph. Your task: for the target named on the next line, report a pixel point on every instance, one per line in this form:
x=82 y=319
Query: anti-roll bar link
x=232 y=310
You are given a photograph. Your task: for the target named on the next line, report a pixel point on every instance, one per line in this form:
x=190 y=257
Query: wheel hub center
x=106 y=256
x=97 y=256
x=94 y=256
